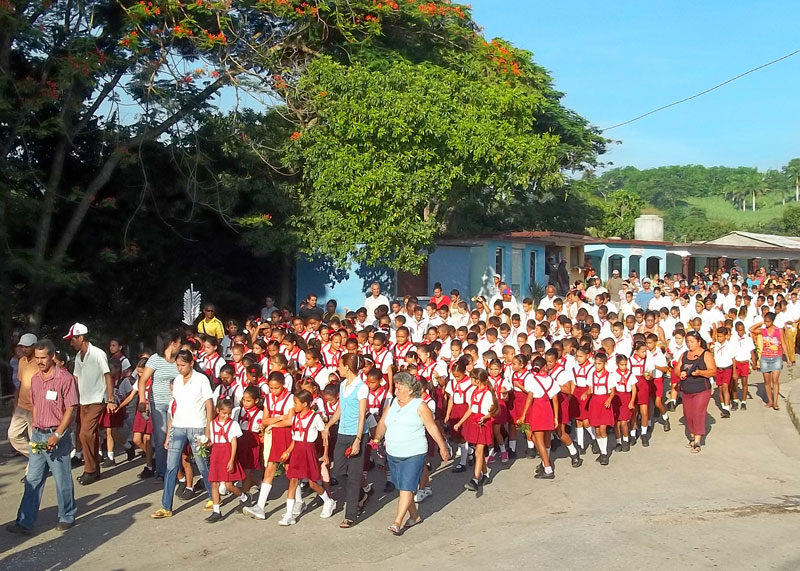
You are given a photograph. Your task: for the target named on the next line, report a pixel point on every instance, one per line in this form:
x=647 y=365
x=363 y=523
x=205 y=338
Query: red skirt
x=304 y=462
x=620 y=405
x=540 y=415
x=599 y=415
x=503 y=415
x=437 y=394
x=642 y=391
x=456 y=414
x=518 y=400
x=583 y=405
x=281 y=438
x=724 y=376
x=673 y=379
x=218 y=467
x=141 y=425
x=113 y=419
x=476 y=434
x=248 y=451
x=333 y=434
x=566 y=408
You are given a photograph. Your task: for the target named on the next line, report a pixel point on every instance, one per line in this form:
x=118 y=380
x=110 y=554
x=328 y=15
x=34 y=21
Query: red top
x=62 y=391
x=444 y=300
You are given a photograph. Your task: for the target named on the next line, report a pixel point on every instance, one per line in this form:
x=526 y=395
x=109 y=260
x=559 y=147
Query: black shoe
x=539 y=469
x=634 y=439
x=334 y=481
x=582 y=450
x=645 y=440
x=199 y=484
x=214 y=517
x=108 y=463
x=471 y=459
x=186 y=493
x=458 y=468
x=18 y=529
x=671 y=406
x=131 y=452
x=180 y=487
x=473 y=485
x=530 y=453
x=512 y=453
x=89 y=479
x=735 y=405
x=554 y=444
x=484 y=480
x=595 y=447
x=576 y=460
x=545 y=476
x=64 y=526
x=618 y=447
x=146 y=473
x=388 y=487
x=75 y=462
x=667 y=427
x=743 y=406
x=626 y=446
x=724 y=414
x=603 y=459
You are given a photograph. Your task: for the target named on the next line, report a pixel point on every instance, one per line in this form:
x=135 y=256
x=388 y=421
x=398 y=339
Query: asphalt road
x=735 y=505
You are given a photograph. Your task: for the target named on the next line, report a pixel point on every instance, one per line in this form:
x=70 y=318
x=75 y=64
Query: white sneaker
x=299 y=507
x=327 y=509
x=223 y=489
x=428 y=492
x=419 y=497
x=287 y=519
x=256 y=512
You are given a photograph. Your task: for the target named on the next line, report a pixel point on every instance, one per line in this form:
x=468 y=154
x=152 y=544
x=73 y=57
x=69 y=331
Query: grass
x=768 y=208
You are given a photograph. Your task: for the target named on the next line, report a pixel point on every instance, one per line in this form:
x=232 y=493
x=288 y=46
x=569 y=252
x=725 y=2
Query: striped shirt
x=163 y=373
x=52 y=396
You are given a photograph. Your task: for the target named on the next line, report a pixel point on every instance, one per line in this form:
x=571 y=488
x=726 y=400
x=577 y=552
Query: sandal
x=347 y=523
x=775 y=407
x=695 y=448
x=690 y=444
x=410 y=523
x=395 y=529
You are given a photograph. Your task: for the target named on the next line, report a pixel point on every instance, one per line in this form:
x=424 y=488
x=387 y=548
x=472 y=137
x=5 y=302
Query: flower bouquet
x=203 y=446
x=38 y=447
x=524 y=427
x=279 y=469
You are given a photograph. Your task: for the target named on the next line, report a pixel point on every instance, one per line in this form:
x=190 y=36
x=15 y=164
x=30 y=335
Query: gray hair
x=408 y=380
x=46 y=345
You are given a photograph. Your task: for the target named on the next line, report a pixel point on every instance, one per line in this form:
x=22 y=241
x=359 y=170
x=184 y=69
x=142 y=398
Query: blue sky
x=617 y=60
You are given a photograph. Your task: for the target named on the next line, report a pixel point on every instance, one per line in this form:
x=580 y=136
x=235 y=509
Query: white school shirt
x=639 y=366
x=601 y=383
x=234 y=392
x=278 y=406
x=562 y=374
x=624 y=345
x=384 y=360
x=724 y=353
x=458 y=390
x=657 y=359
x=249 y=420
x=541 y=386
x=581 y=373
x=744 y=347
x=309 y=428
x=482 y=403
x=224 y=432
x=623 y=382
x=677 y=352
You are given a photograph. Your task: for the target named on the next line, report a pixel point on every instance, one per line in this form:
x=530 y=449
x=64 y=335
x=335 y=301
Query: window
x=498 y=260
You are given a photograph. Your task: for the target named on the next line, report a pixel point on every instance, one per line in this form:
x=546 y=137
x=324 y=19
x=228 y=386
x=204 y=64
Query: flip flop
x=347 y=523
x=395 y=529
x=409 y=524
x=775 y=407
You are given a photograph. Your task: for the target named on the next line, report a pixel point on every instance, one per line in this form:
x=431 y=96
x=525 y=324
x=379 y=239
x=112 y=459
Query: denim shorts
x=769 y=364
x=406 y=472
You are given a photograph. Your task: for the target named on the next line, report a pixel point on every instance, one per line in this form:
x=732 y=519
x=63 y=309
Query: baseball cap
x=615 y=273
x=76 y=329
x=27 y=340
x=498 y=276
x=507 y=291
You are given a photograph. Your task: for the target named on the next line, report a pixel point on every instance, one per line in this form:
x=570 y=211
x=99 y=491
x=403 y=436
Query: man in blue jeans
x=55 y=396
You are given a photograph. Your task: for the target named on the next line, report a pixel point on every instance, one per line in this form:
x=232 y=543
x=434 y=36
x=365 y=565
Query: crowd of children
x=503 y=380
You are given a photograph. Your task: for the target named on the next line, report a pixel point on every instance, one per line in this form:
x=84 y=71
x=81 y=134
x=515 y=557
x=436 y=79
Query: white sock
x=633 y=433
x=580 y=436
x=512 y=444
x=603 y=443
x=182 y=479
x=325 y=497
x=625 y=439
x=491 y=451
x=502 y=449
x=464 y=453
x=665 y=417
x=263 y=493
x=726 y=407
x=110 y=455
x=591 y=432
x=289 y=506
x=530 y=443
x=548 y=469
x=216 y=508
x=644 y=430
x=572 y=449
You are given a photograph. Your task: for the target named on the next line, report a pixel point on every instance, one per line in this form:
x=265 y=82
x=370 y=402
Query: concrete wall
x=347 y=286
x=450 y=265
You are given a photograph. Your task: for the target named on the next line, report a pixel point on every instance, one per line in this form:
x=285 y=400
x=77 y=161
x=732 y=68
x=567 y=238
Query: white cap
x=76 y=329
x=27 y=340
x=498 y=276
x=646 y=280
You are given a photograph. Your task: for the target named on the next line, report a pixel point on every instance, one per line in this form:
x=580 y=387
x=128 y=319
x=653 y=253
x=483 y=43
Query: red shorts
x=742 y=368
x=724 y=376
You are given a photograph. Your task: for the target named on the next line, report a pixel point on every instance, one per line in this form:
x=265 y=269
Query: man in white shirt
x=547 y=300
x=595 y=289
x=375 y=300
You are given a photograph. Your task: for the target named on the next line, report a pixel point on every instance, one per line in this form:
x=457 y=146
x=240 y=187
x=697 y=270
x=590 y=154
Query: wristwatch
x=58 y=435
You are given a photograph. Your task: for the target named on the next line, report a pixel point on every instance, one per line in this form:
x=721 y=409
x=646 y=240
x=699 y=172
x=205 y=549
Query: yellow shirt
x=211 y=327
x=27 y=368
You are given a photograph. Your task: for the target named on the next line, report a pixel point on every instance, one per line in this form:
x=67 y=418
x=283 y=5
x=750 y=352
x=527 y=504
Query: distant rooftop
x=753 y=239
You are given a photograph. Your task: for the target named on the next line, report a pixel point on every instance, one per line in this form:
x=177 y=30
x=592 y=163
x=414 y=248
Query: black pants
x=348 y=472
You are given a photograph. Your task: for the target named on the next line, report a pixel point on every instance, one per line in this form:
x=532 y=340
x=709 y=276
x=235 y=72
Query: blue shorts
x=406 y=472
x=770 y=364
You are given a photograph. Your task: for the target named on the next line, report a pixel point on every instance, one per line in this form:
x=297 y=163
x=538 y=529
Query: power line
x=703 y=92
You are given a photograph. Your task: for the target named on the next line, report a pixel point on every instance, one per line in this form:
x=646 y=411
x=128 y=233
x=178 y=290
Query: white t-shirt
x=657 y=359
x=744 y=347
x=724 y=354
x=191 y=397
x=482 y=402
x=372 y=303
x=224 y=432
x=623 y=382
x=312 y=425
x=90 y=371
x=458 y=390
x=541 y=386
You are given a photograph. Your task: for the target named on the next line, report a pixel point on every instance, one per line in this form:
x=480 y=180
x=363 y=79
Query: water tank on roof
x=649 y=227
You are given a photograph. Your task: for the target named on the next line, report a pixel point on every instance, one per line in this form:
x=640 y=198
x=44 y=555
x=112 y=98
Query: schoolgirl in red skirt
x=248 y=450
x=223 y=465
x=303 y=461
x=111 y=422
x=456 y=390
x=601 y=414
x=583 y=367
x=541 y=413
x=477 y=424
x=519 y=397
x=278 y=414
x=624 y=401
x=567 y=406
x=642 y=367
x=143 y=427
x=502 y=387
